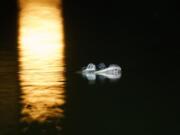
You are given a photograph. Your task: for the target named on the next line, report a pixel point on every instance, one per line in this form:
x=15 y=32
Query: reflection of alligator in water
x=112 y=72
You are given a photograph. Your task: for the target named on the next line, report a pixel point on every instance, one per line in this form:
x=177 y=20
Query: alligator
x=113 y=71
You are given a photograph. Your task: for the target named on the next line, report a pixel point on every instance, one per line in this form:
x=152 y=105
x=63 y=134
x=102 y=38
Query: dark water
x=140 y=39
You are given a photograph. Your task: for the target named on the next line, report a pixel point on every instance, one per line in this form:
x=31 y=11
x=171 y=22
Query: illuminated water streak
x=41 y=58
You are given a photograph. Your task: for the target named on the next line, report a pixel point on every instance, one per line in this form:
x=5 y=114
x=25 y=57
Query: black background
x=142 y=37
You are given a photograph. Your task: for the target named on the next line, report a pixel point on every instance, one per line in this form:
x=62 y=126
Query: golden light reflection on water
x=41 y=57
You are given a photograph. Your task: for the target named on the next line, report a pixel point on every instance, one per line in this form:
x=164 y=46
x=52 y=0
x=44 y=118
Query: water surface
x=40 y=92
x=41 y=63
